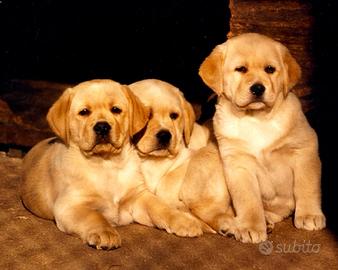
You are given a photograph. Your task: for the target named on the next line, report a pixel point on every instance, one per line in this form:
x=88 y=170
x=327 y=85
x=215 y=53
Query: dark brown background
x=72 y=41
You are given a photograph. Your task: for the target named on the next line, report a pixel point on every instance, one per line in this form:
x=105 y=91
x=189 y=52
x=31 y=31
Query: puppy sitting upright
x=91 y=180
x=268 y=149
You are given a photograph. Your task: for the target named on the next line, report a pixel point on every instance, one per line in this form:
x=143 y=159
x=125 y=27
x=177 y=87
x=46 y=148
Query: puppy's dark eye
x=116 y=110
x=173 y=115
x=269 y=69
x=241 y=69
x=84 y=112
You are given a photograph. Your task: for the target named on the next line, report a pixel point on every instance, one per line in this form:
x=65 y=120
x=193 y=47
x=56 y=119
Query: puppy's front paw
x=106 y=238
x=310 y=222
x=250 y=235
x=253 y=232
x=185 y=225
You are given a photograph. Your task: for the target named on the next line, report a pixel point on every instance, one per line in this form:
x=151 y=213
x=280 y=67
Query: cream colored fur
x=171 y=171
x=90 y=183
x=268 y=149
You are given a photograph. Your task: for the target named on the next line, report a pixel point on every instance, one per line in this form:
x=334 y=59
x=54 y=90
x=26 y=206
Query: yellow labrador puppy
x=166 y=148
x=268 y=149
x=91 y=180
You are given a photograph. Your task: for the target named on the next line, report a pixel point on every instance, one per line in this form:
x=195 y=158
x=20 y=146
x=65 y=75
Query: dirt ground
x=28 y=242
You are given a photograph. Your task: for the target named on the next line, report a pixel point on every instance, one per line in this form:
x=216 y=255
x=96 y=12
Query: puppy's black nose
x=163 y=137
x=257 y=89
x=102 y=128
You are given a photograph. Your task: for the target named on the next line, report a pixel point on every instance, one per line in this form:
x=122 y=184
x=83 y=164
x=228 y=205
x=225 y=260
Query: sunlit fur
x=90 y=183
x=268 y=149
x=188 y=177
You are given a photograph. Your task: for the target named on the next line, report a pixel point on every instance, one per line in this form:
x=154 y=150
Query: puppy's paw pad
x=310 y=222
x=105 y=239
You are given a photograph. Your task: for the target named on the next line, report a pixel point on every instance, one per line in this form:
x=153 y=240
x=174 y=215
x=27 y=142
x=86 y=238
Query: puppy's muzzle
x=257 y=90
x=102 y=129
x=163 y=137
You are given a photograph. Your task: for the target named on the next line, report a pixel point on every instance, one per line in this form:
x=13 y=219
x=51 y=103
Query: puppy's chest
x=157 y=174
x=164 y=178
x=113 y=183
x=253 y=134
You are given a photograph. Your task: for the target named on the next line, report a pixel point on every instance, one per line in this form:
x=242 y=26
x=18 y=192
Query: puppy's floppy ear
x=292 y=70
x=57 y=116
x=211 y=70
x=138 y=113
x=188 y=118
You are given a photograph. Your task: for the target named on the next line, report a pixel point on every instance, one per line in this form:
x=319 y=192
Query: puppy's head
x=97 y=116
x=171 y=118
x=251 y=70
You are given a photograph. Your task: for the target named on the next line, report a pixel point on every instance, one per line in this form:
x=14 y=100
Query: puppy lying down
x=166 y=147
x=268 y=150
x=89 y=179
